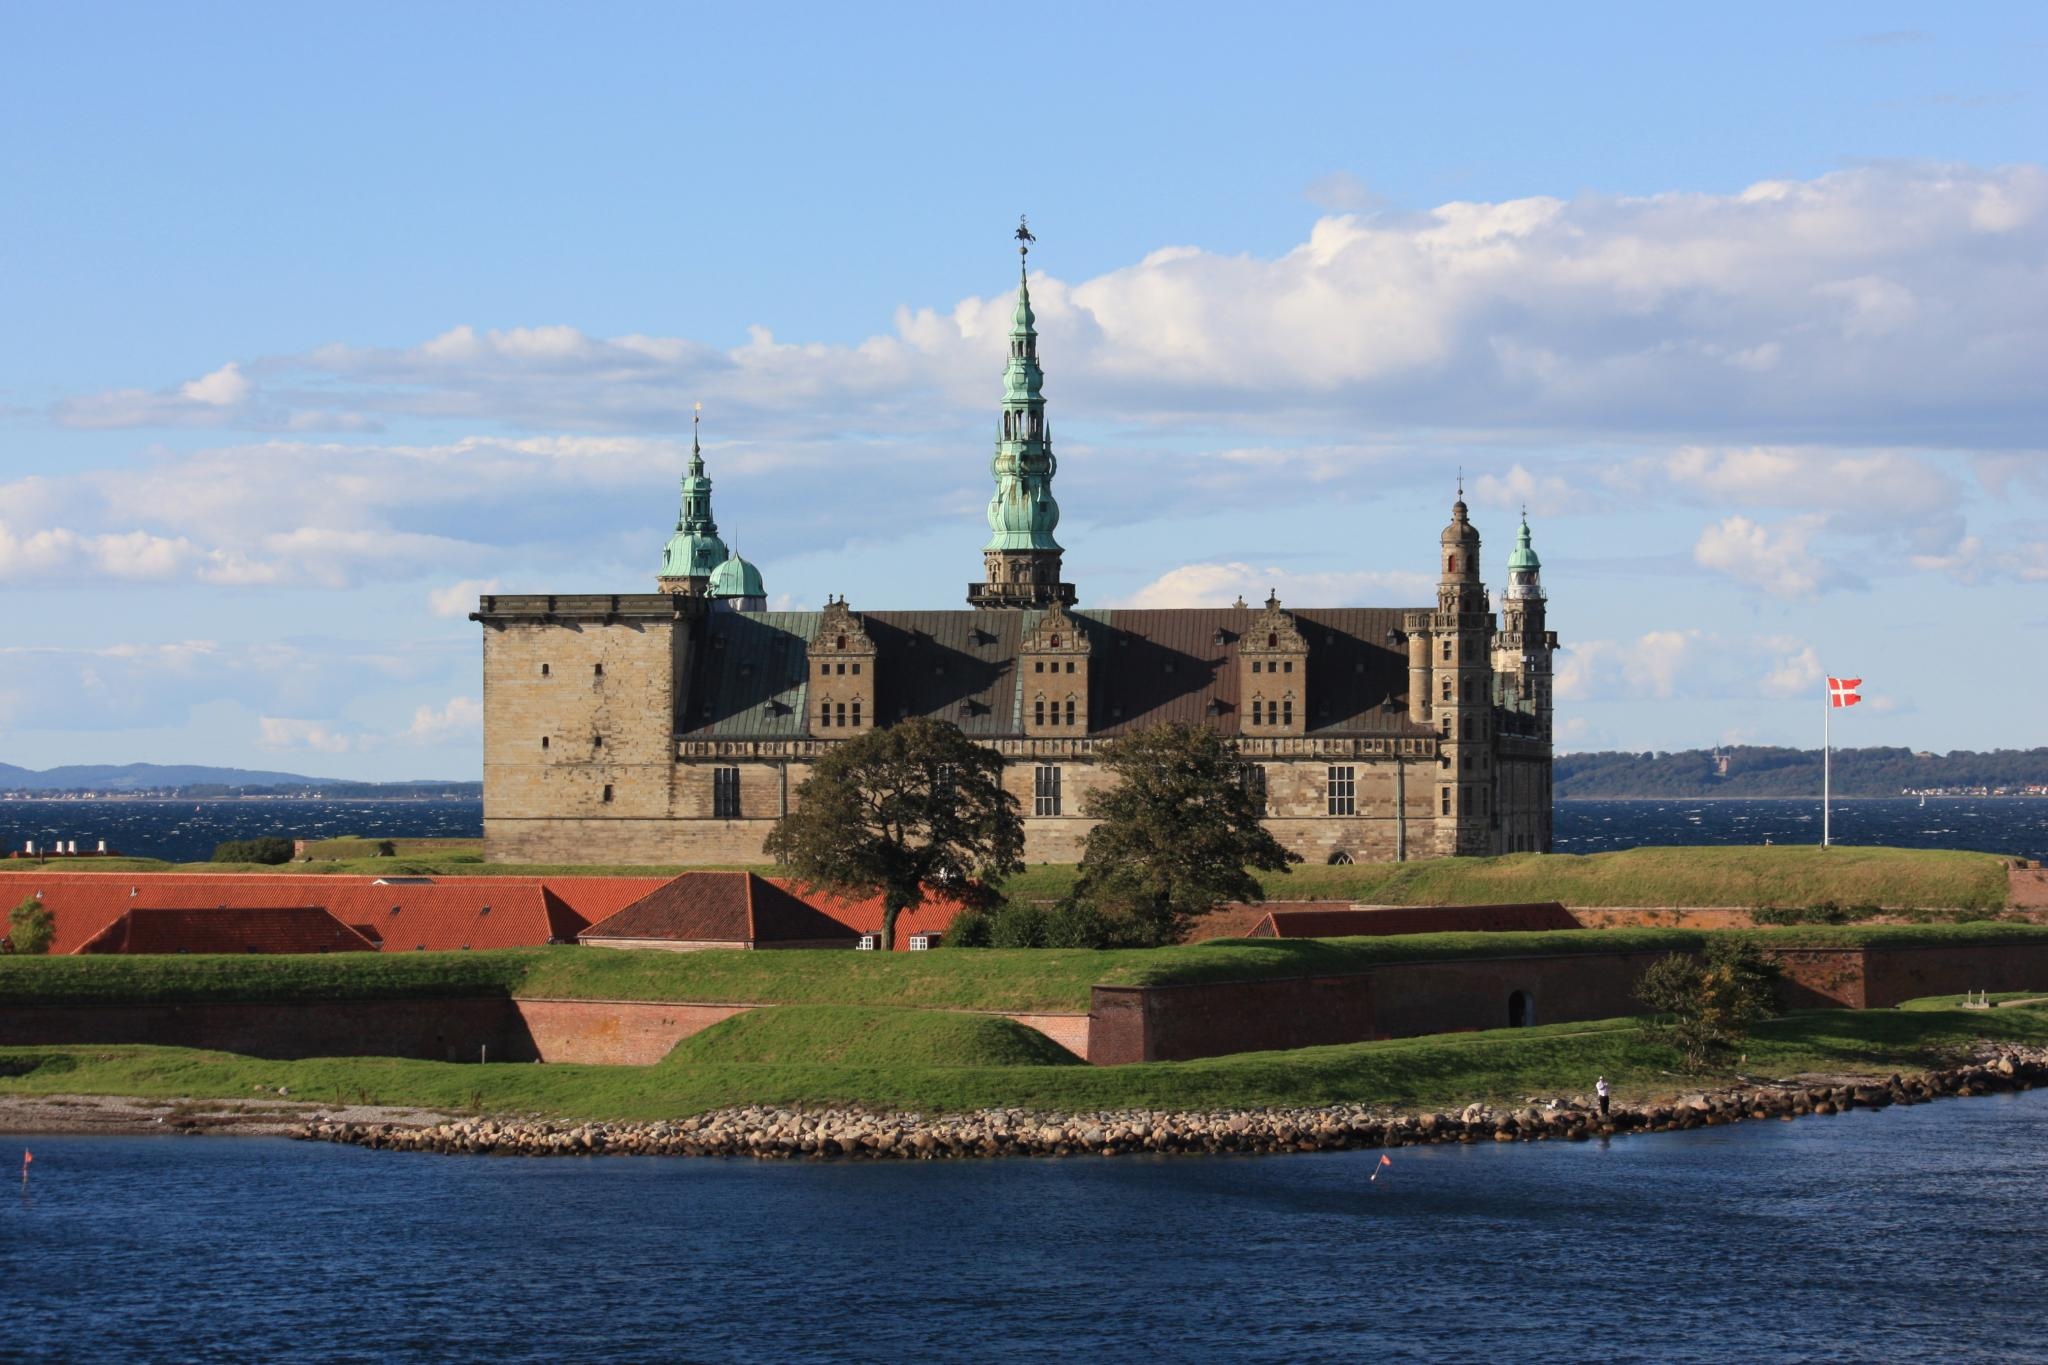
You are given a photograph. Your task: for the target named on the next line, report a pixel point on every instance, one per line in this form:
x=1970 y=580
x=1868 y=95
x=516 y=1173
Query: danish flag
x=1842 y=691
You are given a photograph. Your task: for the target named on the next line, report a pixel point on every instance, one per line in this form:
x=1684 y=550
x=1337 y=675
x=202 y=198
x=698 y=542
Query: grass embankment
x=1446 y=1071
x=1743 y=877
x=850 y=1035
x=1051 y=980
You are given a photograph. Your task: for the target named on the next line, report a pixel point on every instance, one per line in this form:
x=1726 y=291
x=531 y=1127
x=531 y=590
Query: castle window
x=597 y=741
x=824 y=670
x=841 y=670
x=1252 y=777
x=1258 y=712
x=1272 y=639
x=1447 y=651
x=1287 y=711
x=856 y=670
x=1447 y=689
x=1255 y=665
x=1464 y=800
x=1070 y=665
x=825 y=713
x=1055 y=642
x=1447 y=800
x=841 y=644
x=597 y=670
x=1038 y=667
x=1343 y=790
x=1038 y=712
x=543 y=670
x=856 y=714
x=1451 y=564
x=842 y=713
x=607 y=791
x=1045 y=790
x=725 y=793
x=1070 y=710
x=1287 y=666
x=543 y=741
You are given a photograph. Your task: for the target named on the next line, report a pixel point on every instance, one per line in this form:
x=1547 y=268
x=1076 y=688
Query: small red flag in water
x=1386 y=1160
x=26 y=1157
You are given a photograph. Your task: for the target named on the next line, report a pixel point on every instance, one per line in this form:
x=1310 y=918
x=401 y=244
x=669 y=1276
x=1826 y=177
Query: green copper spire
x=1022 y=513
x=1524 y=553
x=695 y=550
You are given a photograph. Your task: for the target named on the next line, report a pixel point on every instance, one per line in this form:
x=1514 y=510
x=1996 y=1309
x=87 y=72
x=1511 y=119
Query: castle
x=674 y=727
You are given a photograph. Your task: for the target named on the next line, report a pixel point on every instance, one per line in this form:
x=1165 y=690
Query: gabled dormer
x=1272 y=675
x=1053 y=661
x=841 y=695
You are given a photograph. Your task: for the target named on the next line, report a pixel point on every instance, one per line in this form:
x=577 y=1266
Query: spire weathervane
x=1024 y=236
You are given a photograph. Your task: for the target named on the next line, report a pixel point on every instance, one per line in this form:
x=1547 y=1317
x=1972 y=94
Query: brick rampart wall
x=432 y=1030
x=615 y=1032
x=1896 y=974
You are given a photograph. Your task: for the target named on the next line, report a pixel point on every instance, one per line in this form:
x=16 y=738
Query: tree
x=30 y=927
x=1177 y=834
x=912 y=809
x=1706 y=1005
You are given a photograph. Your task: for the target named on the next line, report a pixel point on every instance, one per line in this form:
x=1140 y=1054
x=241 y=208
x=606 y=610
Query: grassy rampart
x=970 y=979
x=1448 y=1070
x=1744 y=877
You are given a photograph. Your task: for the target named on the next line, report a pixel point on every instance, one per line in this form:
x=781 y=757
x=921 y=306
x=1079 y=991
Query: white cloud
x=1902 y=299
x=277 y=732
x=1652 y=665
x=1794 y=674
x=1775 y=560
x=459 y=599
x=1218 y=585
x=461 y=719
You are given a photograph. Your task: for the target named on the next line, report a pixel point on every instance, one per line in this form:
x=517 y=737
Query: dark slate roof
x=749 y=680
x=225 y=929
x=719 y=907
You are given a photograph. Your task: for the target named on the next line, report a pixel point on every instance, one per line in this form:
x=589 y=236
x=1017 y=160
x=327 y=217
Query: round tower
x=1461 y=673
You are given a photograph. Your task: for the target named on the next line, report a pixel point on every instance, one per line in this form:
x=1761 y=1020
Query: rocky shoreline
x=770 y=1133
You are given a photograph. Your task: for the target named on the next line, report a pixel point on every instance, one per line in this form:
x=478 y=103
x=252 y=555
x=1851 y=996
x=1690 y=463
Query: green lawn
x=1056 y=980
x=1505 y=1066
x=1744 y=877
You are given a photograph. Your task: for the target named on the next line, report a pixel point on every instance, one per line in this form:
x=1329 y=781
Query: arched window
x=1451 y=564
x=1272 y=639
x=842 y=642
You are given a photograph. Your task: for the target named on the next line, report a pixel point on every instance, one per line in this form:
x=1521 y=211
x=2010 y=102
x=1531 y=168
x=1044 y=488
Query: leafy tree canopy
x=267 y=849
x=1706 y=1005
x=1178 y=834
x=30 y=927
x=912 y=809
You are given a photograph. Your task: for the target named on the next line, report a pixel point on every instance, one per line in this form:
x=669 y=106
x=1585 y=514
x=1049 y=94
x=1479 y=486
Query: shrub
x=1706 y=1005
x=269 y=848
x=1078 y=926
x=969 y=929
x=386 y=849
x=30 y=927
x=1017 y=926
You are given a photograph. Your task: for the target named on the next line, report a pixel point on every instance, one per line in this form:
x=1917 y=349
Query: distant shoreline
x=1837 y=800
x=208 y=800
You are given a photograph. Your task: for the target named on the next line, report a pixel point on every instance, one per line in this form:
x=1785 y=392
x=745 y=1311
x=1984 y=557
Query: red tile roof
x=448 y=913
x=865 y=916
x=240 y=929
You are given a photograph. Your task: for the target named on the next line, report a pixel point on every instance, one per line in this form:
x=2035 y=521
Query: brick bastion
x=1124 y=1023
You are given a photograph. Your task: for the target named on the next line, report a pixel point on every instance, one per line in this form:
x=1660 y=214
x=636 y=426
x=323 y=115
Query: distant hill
x=194 y=778
x=1748 y=770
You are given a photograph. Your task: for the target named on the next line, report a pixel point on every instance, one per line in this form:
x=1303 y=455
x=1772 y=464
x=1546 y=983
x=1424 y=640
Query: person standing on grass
x=1600 y=1089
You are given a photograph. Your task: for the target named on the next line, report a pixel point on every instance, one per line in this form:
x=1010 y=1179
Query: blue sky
x=318 y=321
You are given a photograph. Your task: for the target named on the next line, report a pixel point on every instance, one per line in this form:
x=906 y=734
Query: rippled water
x=186 y=831
x=1906 y=1233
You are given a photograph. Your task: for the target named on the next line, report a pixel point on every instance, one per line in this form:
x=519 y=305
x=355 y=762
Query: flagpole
x=1827 y=762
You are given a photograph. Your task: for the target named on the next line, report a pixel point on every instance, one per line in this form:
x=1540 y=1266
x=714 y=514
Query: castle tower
x=1021 y=559
x=694 y=552
x=1522 y=650
x=1461 y=669
x=1272 y=683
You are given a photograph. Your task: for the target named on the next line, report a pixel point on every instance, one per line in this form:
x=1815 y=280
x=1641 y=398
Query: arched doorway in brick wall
x=1340 y=859
x=1521 y=1009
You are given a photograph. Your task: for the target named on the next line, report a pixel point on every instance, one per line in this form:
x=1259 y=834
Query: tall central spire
x=695 y=549
x=1021 y=558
